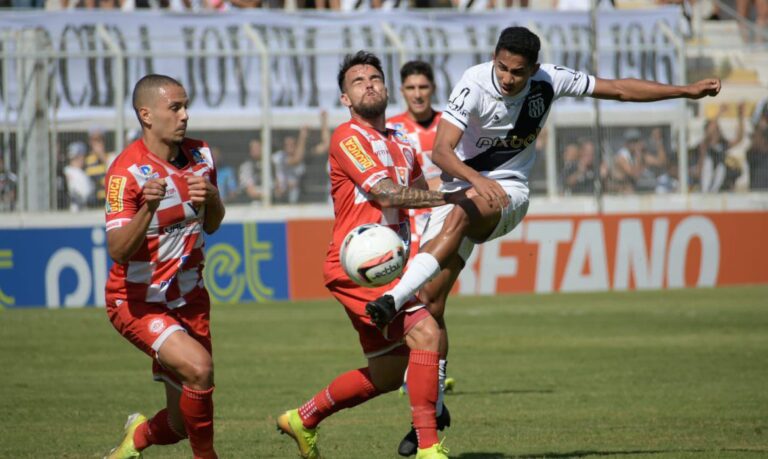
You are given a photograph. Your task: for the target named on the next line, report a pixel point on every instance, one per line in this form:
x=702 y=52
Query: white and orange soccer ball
x=373 y=255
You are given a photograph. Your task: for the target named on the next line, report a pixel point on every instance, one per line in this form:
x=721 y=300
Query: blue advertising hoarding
x=68 y=267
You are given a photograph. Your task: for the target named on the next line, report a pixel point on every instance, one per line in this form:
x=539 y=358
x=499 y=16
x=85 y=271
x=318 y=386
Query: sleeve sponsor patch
x=356 y=153
x=115 y=190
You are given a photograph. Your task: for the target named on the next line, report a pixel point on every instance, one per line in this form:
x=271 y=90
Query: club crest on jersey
x=536 y=106
x=115 y=190
x=148 y=172
x=398 y=126
x=355 y=151
x=156 y=326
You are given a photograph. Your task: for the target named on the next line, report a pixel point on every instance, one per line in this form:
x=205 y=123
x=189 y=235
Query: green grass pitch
x=672 y=374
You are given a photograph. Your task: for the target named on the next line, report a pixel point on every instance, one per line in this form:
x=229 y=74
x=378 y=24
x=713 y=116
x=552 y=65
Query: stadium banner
x=216 y=58
x=595 y=253
x=68 y=267
x=255 y=262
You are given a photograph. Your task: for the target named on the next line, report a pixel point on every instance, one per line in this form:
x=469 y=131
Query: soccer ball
x=372 y=255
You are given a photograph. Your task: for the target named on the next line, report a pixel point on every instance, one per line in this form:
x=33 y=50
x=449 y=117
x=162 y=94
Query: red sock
x=347 y=390
x=422 y=389
x=197 y=411
x=156 y=431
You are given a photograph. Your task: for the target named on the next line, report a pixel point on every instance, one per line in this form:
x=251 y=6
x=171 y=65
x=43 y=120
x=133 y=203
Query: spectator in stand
x=8 y=183
x=289 y=167
x=757 y=154
x=656 y=161
x=225 y=176
x=334 y=5
x=716 y=169
x=316 y=184
x=97 y=161
x=28 y=4
x=580 y=176
x=80 y=186
x=322 y=147
x=570 y=161
x=743 y=8
x=62 y=192
x=629 y=173
x=249 y=173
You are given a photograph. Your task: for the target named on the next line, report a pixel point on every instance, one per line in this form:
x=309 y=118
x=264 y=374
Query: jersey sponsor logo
x=457 y=103
x=197 y=157
x=115 y=190
x=511 y=143
x=357 y=154
x=576 y=75
x=173 y=228
x=148 y=172
x=402 y=175
x=536 y=106
x=402 y=137
x=409 y=156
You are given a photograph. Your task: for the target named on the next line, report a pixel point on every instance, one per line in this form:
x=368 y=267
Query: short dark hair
x=148 y=83
x=416 y=68
x=359 y=58
x=520 y=41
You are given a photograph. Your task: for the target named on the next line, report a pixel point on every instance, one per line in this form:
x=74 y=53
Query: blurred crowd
x=633 y=160
x=755 y=10
x=645 y=161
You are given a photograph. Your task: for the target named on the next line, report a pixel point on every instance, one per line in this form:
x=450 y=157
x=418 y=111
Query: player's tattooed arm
x=389 y=194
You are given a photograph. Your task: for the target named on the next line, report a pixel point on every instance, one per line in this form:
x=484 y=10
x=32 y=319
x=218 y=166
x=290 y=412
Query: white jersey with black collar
x=499 y=131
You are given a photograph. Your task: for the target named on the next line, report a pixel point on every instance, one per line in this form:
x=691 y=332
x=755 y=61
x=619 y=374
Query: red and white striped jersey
x=422 y=139
x=167 y=268
x=359 y=158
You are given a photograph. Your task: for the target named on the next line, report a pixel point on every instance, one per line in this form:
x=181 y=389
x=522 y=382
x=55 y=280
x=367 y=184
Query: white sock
x=420 y=270
x=404 y=387
x=440 y=386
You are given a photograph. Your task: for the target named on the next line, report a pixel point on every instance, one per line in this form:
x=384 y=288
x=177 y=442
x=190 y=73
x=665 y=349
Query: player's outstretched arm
x=389 y=194
x=633 y=90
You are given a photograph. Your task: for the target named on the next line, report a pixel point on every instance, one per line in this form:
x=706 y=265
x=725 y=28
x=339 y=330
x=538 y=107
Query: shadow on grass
x=559 y=455
x=489 y=455
x=457 y=393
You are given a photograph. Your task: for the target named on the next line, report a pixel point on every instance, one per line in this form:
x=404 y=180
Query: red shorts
x=374 y=341
x=148 y=325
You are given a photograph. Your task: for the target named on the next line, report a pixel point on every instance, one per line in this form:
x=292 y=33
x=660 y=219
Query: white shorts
x=511 y=216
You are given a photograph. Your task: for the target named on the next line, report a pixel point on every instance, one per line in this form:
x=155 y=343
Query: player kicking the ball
x=374 y=178
x=485 y=142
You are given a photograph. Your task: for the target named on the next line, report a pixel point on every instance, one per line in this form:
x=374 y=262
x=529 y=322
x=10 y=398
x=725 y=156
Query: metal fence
x=46 y=159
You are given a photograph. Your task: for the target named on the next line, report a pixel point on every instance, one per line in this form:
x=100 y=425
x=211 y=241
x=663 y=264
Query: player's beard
x=371 y=110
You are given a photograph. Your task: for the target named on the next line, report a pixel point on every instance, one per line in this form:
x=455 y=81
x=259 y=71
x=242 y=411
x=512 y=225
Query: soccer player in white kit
x=485 y=141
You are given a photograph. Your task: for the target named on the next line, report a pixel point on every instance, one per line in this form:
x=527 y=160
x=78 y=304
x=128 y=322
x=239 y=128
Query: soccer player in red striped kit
x=374 y=179
x=161 y=196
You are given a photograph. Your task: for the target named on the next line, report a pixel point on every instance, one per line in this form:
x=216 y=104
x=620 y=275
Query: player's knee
x=199 y=374
x=457 y=221
x=425 y=335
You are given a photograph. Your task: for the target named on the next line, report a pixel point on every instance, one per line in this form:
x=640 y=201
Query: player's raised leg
x=473 y=217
